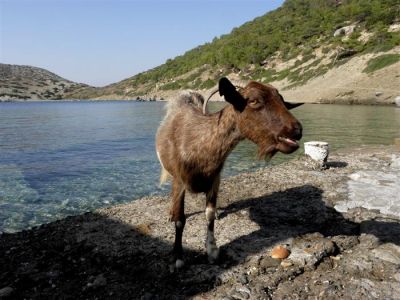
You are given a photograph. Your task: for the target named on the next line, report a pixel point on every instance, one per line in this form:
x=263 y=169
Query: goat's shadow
x=297 y=211
x=116 y=260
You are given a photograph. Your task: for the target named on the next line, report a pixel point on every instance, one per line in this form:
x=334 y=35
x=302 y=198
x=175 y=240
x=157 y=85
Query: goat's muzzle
x=288 y=141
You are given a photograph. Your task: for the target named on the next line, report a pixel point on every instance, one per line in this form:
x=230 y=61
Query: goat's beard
x=266 y=152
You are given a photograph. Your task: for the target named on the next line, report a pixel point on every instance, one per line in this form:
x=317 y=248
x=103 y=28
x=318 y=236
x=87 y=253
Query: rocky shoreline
x=122 y=252
x=352 y=101
x=367 y=102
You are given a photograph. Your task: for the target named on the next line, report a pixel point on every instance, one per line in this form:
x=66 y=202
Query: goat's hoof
x=179 y=263
x=213 y=253
x=174 y=266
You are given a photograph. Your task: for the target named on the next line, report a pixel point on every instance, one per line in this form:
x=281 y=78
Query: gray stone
x=240 y=292
x=6 y=292
x=375 y=289
x=269 y=262
x=54 y=274
x=388 y=252
x=243 y=279
x=344 y=242
x=99 y=281
x=239 y=295
x=243 y=289
x=147 y=296
x=300 y=257
x=310 y=250
x=368 y=241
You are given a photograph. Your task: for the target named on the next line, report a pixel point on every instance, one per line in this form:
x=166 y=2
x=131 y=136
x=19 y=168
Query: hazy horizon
x=99 y=42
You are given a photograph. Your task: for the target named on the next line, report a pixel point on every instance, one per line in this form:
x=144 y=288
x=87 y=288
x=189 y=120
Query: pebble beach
x=340 y=225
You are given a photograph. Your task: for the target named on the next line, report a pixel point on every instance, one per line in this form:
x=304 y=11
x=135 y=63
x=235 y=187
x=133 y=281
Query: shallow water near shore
x=65 y=158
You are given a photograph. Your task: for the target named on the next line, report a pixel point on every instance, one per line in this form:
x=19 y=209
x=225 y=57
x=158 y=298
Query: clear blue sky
x=103 y=41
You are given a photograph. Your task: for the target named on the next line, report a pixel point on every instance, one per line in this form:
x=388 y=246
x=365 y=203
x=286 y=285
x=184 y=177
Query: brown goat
x=192 y=146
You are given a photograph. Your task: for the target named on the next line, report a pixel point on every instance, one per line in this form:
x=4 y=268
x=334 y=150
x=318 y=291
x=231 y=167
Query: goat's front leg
x=211 y=206
x=178 y=217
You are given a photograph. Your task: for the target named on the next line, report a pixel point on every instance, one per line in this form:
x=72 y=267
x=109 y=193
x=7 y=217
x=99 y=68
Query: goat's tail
x=164 y=176
x=185 y=98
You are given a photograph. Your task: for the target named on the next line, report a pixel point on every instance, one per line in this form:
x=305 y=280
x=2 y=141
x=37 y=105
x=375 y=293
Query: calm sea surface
x=65 y=158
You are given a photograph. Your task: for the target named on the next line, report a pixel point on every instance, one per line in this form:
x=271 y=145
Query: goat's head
x=263 y=117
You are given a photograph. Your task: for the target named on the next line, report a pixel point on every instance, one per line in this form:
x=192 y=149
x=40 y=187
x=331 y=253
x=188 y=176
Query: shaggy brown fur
x=192 y=147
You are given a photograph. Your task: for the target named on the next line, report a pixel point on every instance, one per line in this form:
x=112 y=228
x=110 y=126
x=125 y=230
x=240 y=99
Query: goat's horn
x=213 y=92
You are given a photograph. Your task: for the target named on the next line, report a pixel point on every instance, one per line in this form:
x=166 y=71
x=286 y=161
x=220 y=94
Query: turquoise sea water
x=65 y=158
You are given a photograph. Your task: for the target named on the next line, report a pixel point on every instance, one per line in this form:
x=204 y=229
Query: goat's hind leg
x=211 y=245
x=178 y=217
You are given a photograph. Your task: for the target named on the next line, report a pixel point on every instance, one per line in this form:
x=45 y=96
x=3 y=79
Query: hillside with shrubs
x=300 y=47
x=289 y=46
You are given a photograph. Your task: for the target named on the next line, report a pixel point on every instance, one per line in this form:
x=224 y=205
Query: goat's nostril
x=297 y=131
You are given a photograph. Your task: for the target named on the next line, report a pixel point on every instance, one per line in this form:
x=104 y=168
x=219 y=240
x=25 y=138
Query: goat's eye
x=254 y=103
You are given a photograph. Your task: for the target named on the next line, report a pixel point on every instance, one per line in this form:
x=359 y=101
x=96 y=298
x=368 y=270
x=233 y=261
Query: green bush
x=282 y=74
x=171 y=86
x=208 y=84
x=380 y=62
x=261 y=73
x=326 y=50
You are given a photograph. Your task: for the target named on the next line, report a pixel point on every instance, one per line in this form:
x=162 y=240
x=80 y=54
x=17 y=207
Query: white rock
x=394 y=27
x=318 y=151
x=397 y=101
x=355 y=176
x=346 y=30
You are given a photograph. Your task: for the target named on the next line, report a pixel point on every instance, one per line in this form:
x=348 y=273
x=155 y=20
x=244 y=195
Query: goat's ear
x=292 y=105
x=231 y=95
x=288 y=104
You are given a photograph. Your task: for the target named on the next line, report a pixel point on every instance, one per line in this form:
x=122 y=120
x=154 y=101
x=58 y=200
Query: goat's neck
x=224 y=133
